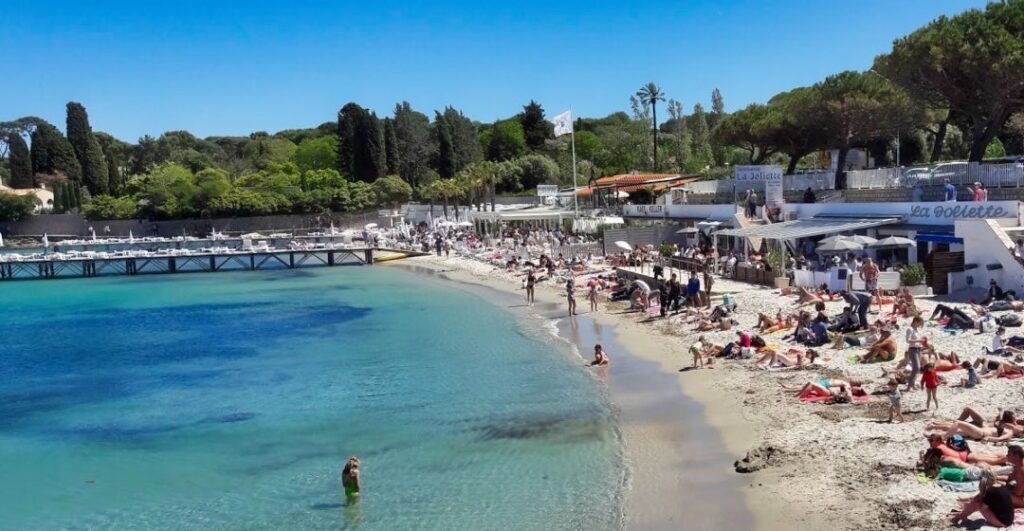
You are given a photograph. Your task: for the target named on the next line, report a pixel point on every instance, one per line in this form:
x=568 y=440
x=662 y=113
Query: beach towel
x=954 y=486
x=817 y=399
x=1012 y=376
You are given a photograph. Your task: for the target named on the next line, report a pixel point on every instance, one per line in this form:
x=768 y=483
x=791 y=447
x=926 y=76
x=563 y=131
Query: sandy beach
x=840 y=466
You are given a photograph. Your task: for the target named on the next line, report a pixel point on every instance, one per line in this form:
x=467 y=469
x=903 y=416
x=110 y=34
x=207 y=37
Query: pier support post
x=172 y=265
x=369 y=256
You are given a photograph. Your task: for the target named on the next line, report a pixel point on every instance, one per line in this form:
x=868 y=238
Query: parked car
x=948 y=170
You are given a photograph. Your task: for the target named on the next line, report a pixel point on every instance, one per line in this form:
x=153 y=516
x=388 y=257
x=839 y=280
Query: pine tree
x=87 y=149
x=58 y=199
x=20 y=161
x=52 y=153
x=535 y=128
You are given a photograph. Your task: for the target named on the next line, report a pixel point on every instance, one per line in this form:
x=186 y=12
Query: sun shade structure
x=839 y=246
x=894 y=241
x=806 y=228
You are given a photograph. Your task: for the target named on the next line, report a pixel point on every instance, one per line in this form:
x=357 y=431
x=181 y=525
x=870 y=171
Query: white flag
x=563 y=123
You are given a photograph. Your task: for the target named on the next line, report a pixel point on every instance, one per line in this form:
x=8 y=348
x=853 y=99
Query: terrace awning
x=806 y=228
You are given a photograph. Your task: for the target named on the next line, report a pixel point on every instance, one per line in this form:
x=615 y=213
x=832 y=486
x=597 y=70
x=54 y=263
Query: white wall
x=680 y=211
x=986 y=243
x=1006 y=213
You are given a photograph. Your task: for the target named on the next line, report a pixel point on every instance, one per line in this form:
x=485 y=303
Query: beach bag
x=1010 y=319
x=988 y=325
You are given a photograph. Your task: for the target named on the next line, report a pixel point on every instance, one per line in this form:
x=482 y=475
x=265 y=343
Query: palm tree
x=650 y=94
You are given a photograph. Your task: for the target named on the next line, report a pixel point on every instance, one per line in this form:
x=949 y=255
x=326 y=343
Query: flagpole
x=572 y=140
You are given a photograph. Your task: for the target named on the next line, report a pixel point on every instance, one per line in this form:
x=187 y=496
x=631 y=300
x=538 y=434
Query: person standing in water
x=350 y=477
x=570 y=289
x=600 y=357
x=531 y=283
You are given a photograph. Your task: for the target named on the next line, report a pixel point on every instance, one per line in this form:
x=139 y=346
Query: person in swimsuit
x=570 y=294
x=938 y=466
x=592 y=296
x=350 y=477
x=531 y=283
x=1001 y=431
x=600 y=357
x=994 y=503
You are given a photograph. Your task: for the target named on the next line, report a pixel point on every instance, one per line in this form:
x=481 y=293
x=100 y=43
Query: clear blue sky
x=233 y=67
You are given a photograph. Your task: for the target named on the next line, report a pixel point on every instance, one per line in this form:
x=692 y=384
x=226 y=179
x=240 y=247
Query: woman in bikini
x=793 y=358
x=350 y=477
x=592 y=296
x=825 y=387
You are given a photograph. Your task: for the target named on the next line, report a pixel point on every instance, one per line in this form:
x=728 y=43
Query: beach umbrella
x=46 y=241
x=687 y=230
x=465 y=223
x=839 y=246
x=861 y=239
x=131 y=237
x=369 y=226
x=624 y=246
x=1 y=239
x=893 y=241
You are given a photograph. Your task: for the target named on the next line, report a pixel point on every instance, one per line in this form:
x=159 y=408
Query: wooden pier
x=212 y=262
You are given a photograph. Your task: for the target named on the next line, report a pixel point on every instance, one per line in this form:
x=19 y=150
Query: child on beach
x=972 y=375
x=697 y=349
x=592 y=296
x=930 y=382
x=895 y=407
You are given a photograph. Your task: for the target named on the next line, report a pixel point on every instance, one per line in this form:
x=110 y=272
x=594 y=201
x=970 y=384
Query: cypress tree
x=58 y=198
x=87 y=149
x=391 y=148
x=348 y=118
x=20 y=162
x=52 y=153
x=77 y=188
x=446 y=163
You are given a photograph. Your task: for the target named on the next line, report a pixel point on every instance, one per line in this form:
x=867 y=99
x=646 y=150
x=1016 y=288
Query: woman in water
x=350 y=477
x=600 y=357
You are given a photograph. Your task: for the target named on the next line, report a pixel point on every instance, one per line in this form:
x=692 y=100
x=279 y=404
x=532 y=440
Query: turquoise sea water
x=231 y=400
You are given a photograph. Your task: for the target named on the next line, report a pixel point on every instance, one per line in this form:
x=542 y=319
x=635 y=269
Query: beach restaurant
x=932 y=227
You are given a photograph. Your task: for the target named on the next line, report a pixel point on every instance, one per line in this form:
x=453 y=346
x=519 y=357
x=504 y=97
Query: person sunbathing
x=806 y=297
x=905 y=305
x=1002 y=430
x=765 y=322
x=939 y=466
x=856 y=340
x=882 y=350
x=792 y=358
x=996 y=368
x=824 y=388
x=935 y=440
x=928 y=351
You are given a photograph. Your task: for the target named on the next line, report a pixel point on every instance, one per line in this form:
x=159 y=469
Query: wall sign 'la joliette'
x=959 y=211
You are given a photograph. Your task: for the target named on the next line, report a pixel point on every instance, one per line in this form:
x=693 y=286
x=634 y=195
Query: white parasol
x=369 y=226
x=893 y=241
x=839 y=246
x=624 y=246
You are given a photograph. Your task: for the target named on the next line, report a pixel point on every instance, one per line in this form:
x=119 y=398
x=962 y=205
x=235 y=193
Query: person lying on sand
x=856 y=340
x=805 y=297
x=905 y=306
x=792 y=358
x=935 y=440
x=995 y=368
x=899 y=372
x=938 y=466
x=1001 y=431
x=825 y=387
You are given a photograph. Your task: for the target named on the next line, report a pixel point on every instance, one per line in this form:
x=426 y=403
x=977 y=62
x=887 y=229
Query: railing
x=790 y=183
x=990 y=175
x=571 y=250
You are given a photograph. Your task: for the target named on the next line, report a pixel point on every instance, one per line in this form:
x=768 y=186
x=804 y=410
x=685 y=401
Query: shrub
x=913 y=275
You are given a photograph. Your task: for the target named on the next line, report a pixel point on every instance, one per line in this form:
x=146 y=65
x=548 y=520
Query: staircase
x=740 y=220
x=988 y=256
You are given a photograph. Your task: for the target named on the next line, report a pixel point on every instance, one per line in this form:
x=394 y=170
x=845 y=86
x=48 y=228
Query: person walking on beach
x=930 y=382
x=869 y=274
x=913 y=355
x=708 y=281
x=675 y=290
x=350 y=478
x=531 y=283
x=570 y=294
x=601 y=358
x=693 y=290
